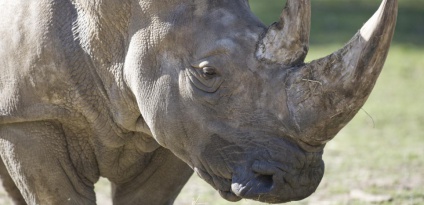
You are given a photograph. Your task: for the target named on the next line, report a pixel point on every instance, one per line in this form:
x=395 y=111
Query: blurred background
x=379 y=156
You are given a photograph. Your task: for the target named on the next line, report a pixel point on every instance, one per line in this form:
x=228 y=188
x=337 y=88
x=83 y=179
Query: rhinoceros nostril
x=264 y=174
x=265 y=181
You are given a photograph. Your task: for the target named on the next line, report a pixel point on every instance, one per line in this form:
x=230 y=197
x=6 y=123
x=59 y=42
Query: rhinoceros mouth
x=268 y=183
x=268 y=169
x=221 y=184
x=229 y=195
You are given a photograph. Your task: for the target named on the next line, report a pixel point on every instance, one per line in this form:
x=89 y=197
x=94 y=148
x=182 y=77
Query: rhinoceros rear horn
x=324 y=95
x=286 y=42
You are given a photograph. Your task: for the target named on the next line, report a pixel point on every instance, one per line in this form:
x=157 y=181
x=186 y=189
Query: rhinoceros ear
x=325 y=94
x=286 y=42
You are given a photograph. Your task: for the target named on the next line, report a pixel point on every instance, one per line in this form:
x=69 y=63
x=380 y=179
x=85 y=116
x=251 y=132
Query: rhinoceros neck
x=105 y=30
x=102 y=31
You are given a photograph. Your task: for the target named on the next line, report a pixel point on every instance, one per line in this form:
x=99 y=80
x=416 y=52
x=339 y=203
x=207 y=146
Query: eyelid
x=207 y=85
x=201 y=64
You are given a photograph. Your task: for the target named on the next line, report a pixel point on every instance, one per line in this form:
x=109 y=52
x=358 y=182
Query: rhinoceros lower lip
x=256 y=189
x=223 y=185
x=308 y=147
x=229 y=195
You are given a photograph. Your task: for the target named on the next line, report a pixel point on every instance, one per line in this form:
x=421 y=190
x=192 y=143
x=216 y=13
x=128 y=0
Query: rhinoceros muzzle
x=273 y=169
x=272 y=182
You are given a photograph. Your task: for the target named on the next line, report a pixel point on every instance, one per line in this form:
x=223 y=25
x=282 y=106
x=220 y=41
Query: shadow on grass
x=336 y=21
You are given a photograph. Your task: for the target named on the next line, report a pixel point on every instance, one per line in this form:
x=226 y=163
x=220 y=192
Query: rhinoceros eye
x=209 y=72
x=205 y=78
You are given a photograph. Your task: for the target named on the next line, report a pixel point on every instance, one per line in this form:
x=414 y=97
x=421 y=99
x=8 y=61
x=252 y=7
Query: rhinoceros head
x=236 y=101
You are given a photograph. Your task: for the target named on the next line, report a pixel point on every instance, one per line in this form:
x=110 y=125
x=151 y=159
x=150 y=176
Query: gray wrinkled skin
x=142 y=92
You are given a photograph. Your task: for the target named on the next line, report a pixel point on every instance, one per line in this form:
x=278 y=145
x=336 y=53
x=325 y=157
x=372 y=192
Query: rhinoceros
x=144 y=92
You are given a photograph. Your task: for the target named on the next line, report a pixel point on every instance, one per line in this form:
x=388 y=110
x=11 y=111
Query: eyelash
x=209 y=71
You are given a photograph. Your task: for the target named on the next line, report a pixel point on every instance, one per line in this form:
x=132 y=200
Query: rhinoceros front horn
x=324 y=95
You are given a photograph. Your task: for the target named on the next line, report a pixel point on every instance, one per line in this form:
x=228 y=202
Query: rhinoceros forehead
x=233 y=17
x=227 y=36
x=203 y=7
